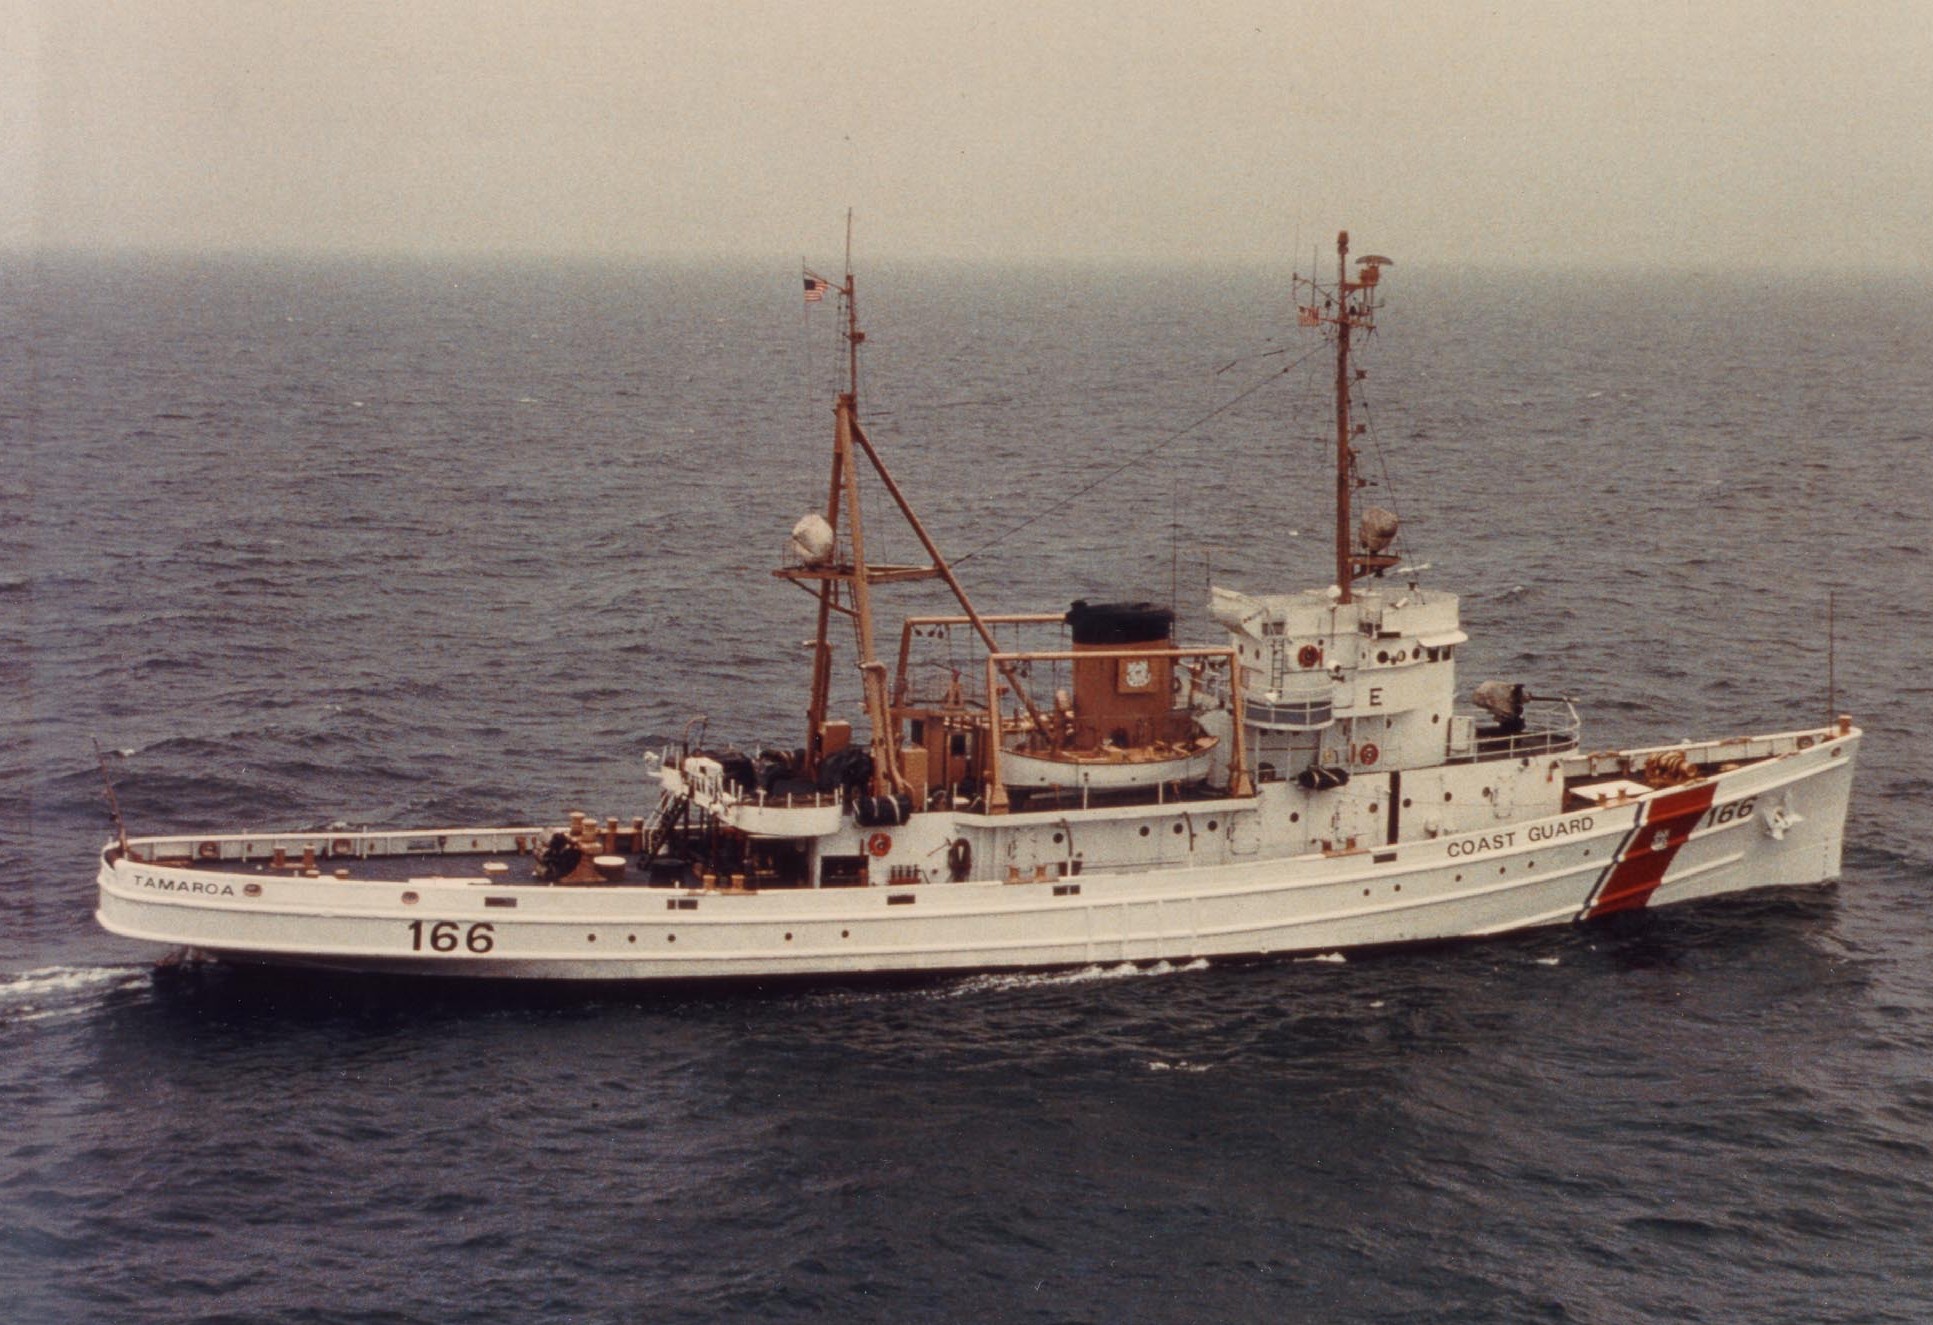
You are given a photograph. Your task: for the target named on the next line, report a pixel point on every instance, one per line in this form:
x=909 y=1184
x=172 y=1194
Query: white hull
x=1774 y=821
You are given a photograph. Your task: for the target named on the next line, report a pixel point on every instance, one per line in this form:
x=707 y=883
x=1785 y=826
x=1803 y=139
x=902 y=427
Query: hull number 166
x=446 y=935
x=1724 y=814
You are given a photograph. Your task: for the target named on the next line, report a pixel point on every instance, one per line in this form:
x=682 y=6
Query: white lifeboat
x=1121 y=729
x=1111 y=768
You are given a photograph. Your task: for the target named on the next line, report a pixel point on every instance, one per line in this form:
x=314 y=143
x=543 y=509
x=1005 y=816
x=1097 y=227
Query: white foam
x=57 y=979
x=57 y=991
x=1085 y=975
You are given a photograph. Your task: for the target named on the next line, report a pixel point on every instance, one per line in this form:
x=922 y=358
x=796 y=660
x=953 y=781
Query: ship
x=1083 y=789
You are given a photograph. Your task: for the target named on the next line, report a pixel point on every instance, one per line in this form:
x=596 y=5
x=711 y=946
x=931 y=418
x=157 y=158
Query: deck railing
x=1551 y=727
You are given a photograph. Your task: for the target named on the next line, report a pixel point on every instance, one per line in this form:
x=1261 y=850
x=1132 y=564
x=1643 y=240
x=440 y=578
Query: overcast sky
x=1711 y=133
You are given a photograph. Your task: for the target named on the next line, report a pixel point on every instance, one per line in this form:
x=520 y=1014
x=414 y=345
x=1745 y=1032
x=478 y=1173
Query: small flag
x=815 y=289
x=1305 y=316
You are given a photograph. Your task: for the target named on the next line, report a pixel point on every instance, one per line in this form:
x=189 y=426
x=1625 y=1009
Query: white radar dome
x=812 y=539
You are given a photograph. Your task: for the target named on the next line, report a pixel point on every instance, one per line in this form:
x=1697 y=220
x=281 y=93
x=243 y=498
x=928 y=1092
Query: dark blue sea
x=399 y=542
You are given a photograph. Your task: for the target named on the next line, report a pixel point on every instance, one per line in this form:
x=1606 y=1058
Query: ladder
x=658 y=828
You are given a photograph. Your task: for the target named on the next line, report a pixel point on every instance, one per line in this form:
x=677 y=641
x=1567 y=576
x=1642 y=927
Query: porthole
x=1406 y=802
x=1144 y=830
x=1211 y=825
x=590 y=938
x=1177 y=830
x=1295 y=816
x=1372 y=807
x=630 y=938
x=788 y=937
x=1382 y=655
x=1399 y=887
x=1448 y=796
x=845 y=933
x=1059 y=838
x=409 y=899
x=671 y=938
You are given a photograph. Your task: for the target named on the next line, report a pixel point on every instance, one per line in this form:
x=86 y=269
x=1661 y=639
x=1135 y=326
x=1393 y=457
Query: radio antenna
x=113 y=802
x=1832 y=648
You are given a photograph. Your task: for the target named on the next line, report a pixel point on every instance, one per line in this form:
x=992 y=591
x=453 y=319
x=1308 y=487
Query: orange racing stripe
x=1648 y=852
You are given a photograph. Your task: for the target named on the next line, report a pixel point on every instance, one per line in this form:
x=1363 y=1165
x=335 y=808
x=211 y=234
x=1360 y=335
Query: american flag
x=815 y=289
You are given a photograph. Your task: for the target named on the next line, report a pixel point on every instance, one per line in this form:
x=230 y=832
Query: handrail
x=1540 y=735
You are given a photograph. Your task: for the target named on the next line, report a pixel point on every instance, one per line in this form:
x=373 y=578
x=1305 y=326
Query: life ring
x=208 y=851
x=1308 y=655
x=342 y=846
x=959 y=859
x=1369 y=754
x=879 y=843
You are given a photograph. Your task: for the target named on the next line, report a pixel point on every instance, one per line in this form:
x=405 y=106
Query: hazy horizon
x=869 y=261
x=1726 y=136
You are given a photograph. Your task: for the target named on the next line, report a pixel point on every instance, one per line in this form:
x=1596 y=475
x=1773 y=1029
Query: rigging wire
x=1388 y=484
x=1251 y=358
x=1137 y=457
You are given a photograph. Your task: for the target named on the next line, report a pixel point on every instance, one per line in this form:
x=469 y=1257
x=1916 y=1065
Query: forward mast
x=1349 y=309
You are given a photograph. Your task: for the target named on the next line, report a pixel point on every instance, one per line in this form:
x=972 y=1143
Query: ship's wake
x=981 y=984
x=50 y=992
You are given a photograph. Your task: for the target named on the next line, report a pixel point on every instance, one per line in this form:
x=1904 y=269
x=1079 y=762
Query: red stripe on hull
x=1641 y=866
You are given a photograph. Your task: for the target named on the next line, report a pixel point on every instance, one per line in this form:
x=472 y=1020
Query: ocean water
x=404 y=542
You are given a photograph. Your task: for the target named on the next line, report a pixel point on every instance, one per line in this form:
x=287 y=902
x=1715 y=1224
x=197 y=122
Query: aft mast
x=817 y=544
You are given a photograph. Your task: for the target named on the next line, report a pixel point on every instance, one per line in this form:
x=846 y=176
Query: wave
x=965 y=986
x=980 y=984
x=64 y=991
